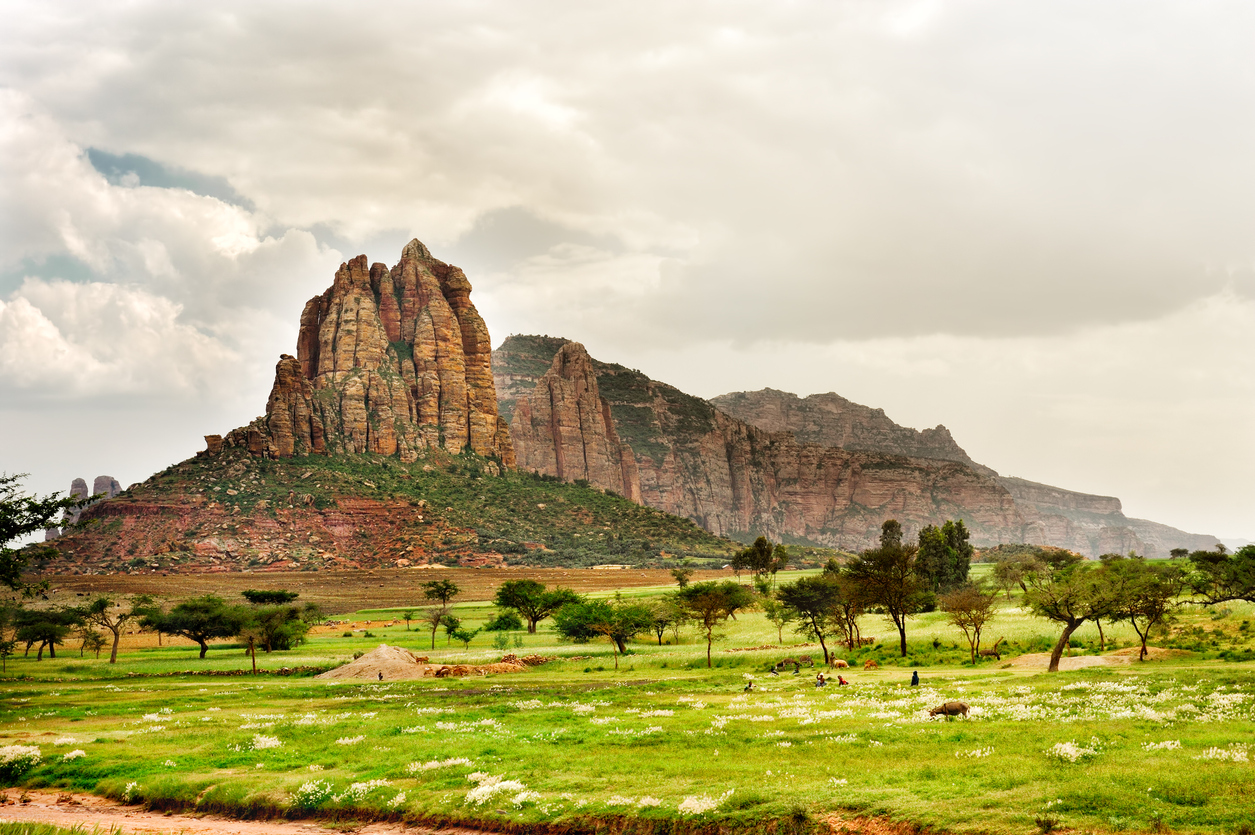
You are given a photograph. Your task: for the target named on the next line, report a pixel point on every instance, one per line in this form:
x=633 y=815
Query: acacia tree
x=440 y=592
x=763 y=560
x=100 y=612
x=885 y=578
x=711 y=603
x=969 y=608
x=665 y=614
x=778 y=614
x=618 y=621
x=1148 y=593
x=532 y=600
x=813 y=603
x=200 y=619
x=1069 y=596
x=1219 y=576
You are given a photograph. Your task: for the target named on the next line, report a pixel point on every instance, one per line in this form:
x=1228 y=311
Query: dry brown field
x=338 y=592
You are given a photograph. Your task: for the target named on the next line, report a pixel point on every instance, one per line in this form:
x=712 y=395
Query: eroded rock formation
x=564 y=427
x=389 y=362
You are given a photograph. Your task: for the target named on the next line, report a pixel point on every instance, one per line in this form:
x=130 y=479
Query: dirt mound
x=392 y=662
x=1041 y=660
x=527 y=660
x=1152 y=653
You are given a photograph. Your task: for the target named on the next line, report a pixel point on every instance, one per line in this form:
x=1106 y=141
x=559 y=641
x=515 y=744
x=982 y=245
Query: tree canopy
x=22 y=515
x=711 y=603
x=619 y=621
x=885 y=578
x=532 y=600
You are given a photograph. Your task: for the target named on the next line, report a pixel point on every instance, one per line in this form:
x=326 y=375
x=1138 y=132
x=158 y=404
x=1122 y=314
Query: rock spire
x=389 y=361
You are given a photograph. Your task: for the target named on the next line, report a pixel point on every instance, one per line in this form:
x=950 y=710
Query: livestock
x=950 y=709
x=870 y=664
x=838 y=664
x=993 y=652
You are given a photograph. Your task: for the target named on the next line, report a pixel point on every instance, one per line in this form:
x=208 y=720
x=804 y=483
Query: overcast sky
x=1033 y=222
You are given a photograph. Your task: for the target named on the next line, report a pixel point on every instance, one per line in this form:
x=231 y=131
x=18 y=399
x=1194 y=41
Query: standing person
x=915 y=678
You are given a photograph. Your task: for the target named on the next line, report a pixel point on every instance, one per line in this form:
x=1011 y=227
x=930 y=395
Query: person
x=841 y=680
x=381 y=675
x=749 y=687
x=820 y=681
x=915 y=678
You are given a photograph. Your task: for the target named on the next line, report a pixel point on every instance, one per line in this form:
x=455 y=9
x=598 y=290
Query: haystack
x=395 y=663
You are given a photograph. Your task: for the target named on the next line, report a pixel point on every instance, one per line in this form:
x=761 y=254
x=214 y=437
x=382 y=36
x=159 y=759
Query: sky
x=1032 y=222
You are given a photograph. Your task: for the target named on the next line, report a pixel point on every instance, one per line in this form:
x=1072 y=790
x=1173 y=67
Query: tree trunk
x=204 y=647
x=531 y=626
x=902 y=635
x=1057 y=653
x=252 y=651
x=52 y=649
x=824 y=647
x=113 y=654
x=710 y=640
x=1102 y=639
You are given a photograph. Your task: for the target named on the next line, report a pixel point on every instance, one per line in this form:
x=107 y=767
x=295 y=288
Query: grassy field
x=665 y=744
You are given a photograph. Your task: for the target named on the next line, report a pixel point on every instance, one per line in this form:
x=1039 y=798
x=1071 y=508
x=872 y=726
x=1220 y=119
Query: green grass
x=643 y=745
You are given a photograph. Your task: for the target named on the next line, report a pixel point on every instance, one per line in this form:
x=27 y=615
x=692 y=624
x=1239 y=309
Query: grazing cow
x=950 y=709
x=870 y=664
x=992 y=652
x=838 y=664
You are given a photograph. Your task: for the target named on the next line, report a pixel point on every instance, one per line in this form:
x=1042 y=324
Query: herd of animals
x=955 y=708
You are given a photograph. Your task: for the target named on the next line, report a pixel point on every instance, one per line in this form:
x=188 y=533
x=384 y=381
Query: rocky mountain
x=381 y=446
x=105 y=487
x=819 y=469
x=732 y=478
x=390 y=362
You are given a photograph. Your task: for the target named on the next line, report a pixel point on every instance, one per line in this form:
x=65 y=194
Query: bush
x=507 y=621
x=16 y=760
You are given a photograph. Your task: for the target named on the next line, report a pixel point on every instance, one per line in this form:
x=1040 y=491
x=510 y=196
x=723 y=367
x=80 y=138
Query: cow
x=838 y=664
x=950 y=709
x=870 y=664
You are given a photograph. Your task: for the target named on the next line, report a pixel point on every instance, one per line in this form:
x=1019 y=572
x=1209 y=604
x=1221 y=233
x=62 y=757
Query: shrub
x=16 y=760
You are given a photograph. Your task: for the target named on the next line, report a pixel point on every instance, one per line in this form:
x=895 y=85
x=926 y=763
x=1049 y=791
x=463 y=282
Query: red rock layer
x=389 y=362
x=564 y=428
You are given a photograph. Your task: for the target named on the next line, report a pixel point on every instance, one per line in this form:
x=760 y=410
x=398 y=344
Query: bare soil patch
x=1041 y=660
x=351 y=591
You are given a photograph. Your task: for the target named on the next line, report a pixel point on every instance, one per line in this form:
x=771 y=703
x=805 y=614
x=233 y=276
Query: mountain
x=819 y=469
x=572 y=416
x=381 y=445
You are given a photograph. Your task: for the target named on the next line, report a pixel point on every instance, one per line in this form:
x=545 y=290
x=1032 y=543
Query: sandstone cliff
x=728 y=476
x=831 y=420
x=389 y=361
x=820 y=469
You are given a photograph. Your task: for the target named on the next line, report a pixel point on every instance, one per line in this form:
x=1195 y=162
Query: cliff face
x=831 y=420
x=730 y=477
x=819 y=468
x=564 y=427
x=390 y=362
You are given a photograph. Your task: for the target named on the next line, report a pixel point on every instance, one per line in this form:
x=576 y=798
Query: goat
x=950 y=709
x=870 y=664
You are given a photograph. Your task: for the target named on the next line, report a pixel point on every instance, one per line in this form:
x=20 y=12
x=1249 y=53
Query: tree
x=532 y=600
x=664 y=613
x=682 y=575
x=1148 y=593
x=22 y=515
x=778 y=614
x=813 y=602
x=885 y=578
x=711 y=603
x=275 y=627
x=46 y=627
x=99 y=612
x=200 y=619
x=1069 y=596
x=407 y=616
x=616 y=620
x=260 y=597
x=969 y=607
x=1219 y=576
x=464 y=636
x=945 y=556
x=451 y=625
x=440 y=592
x=507 y=621
x=90 y=641
x=762 y=559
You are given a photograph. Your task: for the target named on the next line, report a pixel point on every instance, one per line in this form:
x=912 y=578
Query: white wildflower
x=414 y=768
x=66 y=740
x=524 y=797
x=312 y=793
x=1235 y=753
x=490 y=785
x=131 y=790
x=261 y=742
x=397 y=802
x=648 y=801
x=16 y=760
x=358 y=791
x=1166 y=745
x=74 y=755
x=350 y=740
x=975 y=753
x=701 y=803
x=1070 y=752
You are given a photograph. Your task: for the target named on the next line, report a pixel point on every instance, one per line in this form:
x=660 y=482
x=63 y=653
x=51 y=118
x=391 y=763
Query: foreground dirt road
x=69 y=810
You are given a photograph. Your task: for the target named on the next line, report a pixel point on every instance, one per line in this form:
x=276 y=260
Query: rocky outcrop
x=390 y=362
x=104 y=487
x=831 y=420
x=819 y=469
x=730 y=477
x=564 y=427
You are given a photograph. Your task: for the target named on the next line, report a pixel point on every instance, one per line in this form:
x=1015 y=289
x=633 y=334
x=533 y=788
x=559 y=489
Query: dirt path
x=69 y=810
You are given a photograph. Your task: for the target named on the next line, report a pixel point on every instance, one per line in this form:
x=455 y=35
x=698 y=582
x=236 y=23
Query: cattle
x=992 y=652
x=838 y=664
x=950 y=709
x=870 y=664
